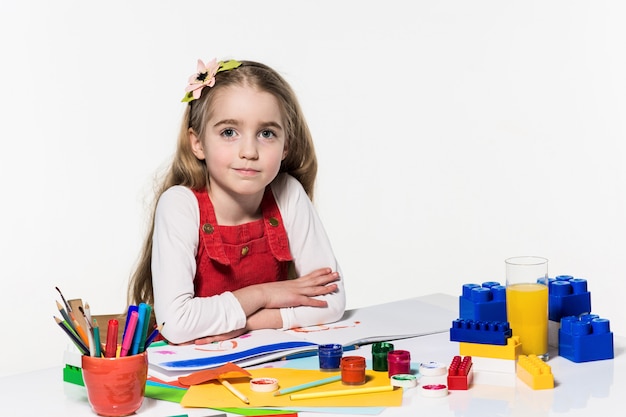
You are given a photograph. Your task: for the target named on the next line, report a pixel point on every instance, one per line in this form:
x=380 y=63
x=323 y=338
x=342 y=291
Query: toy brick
x=534 y=372
x=585 y=338
x=486 y=302
x=460 y=373
x=492 y=365
x=485 y=332
x=567 y=296
x=511 y=350
x=73 y=375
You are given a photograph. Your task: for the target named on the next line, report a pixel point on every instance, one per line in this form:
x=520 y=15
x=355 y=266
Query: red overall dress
x=233 y=257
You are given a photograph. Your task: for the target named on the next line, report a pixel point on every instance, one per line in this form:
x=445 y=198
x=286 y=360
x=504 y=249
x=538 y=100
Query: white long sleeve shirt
x=175 y=242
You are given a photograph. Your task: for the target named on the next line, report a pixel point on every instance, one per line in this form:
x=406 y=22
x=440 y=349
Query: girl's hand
x=300 y=291
x=220 y=337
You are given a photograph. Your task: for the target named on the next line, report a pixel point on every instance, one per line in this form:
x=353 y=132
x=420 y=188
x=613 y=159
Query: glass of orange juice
x=527 y=302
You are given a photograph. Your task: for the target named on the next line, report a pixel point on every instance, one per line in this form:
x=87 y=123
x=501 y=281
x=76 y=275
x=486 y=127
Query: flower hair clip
x=205 y=77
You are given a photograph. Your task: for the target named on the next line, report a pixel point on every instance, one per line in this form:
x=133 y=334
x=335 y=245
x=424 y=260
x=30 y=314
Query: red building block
x=460 y=373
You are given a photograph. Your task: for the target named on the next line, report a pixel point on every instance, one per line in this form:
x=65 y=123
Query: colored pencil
x=63 y=312
x=79 y=330
x=234 y=390
x=110 y=349
x=96 y=339
x=336 y=393
x=307 y=385
x=79 y=344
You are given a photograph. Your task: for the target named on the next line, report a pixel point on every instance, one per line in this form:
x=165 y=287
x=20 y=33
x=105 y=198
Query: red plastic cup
x=115 y=386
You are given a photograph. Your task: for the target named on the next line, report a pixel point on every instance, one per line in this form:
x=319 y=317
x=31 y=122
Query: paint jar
x=330 y=357
x=399 y=362
x=379 y=355
x=115 y=386
x=353 y=370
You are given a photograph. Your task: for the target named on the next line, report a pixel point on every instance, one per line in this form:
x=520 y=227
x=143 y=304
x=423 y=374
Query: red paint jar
x=353 y=370
x=399 y=362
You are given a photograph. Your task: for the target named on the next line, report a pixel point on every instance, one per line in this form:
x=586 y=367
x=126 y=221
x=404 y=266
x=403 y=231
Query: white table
x=582 y=389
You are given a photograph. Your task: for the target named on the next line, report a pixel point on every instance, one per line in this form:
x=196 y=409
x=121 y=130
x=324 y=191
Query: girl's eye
x=229 y=133
x=267 y=134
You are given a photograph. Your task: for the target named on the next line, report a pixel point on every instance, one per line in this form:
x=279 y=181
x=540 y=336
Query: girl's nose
x=248 y=148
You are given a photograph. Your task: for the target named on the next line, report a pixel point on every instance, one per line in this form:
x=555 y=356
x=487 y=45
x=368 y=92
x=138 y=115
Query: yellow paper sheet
x=214 y=395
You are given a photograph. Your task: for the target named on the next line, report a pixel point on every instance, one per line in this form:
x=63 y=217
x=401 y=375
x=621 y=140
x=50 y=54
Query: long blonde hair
x=189 y=171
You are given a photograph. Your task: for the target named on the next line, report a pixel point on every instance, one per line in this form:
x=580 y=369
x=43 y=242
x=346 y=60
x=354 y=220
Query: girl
x=235 y=242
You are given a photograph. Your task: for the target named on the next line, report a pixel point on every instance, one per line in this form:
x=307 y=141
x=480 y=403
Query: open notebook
x=390 y=321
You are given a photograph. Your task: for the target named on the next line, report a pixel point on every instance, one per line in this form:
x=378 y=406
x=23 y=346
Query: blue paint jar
x=330 y=357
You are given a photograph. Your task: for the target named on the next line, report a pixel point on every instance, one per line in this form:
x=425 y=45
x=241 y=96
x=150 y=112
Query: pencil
x=79 y=344
x=235 y=391
x=79 y=330
x=336 y=393
x=96 y=339
x=63 y=312
x=308 y=385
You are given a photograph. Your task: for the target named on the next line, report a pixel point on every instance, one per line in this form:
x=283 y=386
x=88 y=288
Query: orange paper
x=212 y=394
x=228 y=370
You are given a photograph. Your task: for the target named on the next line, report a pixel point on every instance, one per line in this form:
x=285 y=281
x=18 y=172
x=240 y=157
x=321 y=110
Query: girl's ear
x=285 y=152
x=196 y=145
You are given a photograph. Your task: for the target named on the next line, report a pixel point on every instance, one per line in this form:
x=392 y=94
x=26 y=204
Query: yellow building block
x=534 y=372
x=511 y=350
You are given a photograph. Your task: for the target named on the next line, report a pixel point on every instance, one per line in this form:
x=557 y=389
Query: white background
x=451 y=135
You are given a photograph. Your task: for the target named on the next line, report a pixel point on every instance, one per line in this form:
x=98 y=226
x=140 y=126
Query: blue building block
x=585 y=338
x=567 y=296
x=486 y=302
x=484 y=332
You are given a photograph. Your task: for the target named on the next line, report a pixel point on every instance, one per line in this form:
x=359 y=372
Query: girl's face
x=244 y=142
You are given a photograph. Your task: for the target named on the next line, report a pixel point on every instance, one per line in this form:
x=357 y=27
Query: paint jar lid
x=432 y=369
x=404 y=380
x=399 y=355
x=353 y=362
x=382 y=347
x=433 y=390
x=263 y=384
x=331 y=349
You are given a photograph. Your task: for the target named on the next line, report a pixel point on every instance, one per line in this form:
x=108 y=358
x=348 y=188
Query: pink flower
x=205 y=77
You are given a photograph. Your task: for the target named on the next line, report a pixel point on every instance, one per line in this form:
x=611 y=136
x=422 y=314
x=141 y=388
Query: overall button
x=244 y=251
x=273 y=221
x=207 y=228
